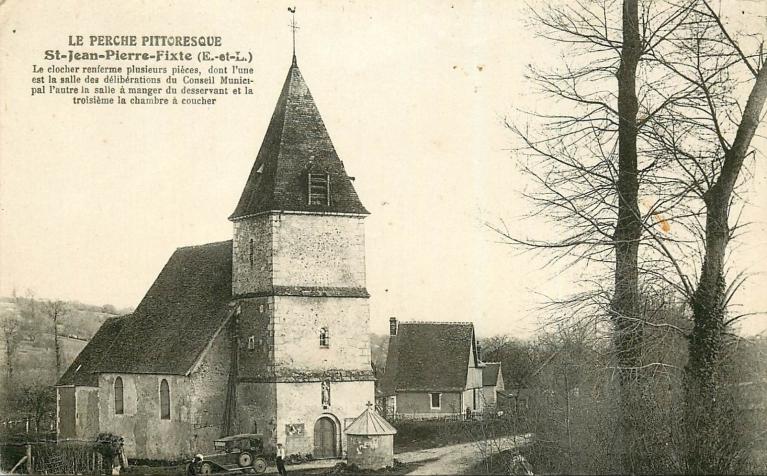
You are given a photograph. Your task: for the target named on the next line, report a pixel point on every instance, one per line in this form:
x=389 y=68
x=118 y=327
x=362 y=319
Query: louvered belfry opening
x=319 y=189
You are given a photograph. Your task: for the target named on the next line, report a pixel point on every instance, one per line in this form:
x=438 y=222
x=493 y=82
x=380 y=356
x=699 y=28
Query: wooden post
x=30 y=467
x=99 y=463
x=21 y=461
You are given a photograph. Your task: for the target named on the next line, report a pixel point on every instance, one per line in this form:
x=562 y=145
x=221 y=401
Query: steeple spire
x=297 y=168
x=293 y=26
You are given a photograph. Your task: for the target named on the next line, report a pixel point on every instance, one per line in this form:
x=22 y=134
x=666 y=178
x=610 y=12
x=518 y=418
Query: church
x=265 y=333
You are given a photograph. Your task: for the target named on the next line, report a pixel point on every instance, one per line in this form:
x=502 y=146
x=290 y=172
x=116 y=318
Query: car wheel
x=259 y=465
x=245 y=459
x=206 y=468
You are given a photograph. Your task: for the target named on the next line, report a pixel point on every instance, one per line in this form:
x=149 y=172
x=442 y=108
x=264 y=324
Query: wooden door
x=325 y=438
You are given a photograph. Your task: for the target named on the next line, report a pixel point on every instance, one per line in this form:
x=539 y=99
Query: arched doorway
x=325 y=436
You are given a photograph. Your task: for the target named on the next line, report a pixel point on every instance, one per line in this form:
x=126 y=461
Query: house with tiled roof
x=492 y=383
x=265 y=333
x=432 y=370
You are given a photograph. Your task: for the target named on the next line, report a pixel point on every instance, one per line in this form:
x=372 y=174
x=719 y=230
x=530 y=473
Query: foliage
x=63 y=458
x=573 y=401
x=422 y=434
x=517 y=358
x=397 y=467
x=108 y=445
x=36 y=401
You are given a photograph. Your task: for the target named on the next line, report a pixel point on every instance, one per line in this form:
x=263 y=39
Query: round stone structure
x=370 y=441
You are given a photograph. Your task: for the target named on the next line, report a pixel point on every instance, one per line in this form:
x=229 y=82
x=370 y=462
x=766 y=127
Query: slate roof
x=81 y=370
x=296 y=141
x=490 y=373
x=428 y=357
x=370 y=423
x=175 y=321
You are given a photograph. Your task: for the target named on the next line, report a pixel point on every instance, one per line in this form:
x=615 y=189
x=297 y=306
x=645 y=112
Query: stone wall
x=196 y=407
x=257 y=411
x=256 y=277
x=77 y=413
x=255 y=321
x=87 y=415
x=66 y=413
x=207 y=388
x=297 y=323
x=370 y=452
x=308 y=273
x=146 y=434
x=298 y=250
x=299 y=406
x=319 y=250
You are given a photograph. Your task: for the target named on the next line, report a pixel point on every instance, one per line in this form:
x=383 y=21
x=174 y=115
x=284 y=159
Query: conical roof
x=370 y=423
x=296 y=142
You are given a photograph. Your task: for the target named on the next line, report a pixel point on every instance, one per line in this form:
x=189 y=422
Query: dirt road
x=453 y=459
x=458 y=459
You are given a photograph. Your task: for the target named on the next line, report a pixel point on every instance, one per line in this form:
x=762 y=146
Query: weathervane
x=293 y=26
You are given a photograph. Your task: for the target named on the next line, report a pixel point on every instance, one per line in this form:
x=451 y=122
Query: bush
x=421 y=434
x=109 y=446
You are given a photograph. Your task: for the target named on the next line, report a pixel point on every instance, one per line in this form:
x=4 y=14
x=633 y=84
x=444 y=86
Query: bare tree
x=680 y=135
x=10 y=326
x=705 y=141
x=588 y=159
x=37 y=401
x=56 y=310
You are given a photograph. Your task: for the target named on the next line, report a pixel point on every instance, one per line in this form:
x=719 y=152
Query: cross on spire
x=293 y=26
x=369 y=405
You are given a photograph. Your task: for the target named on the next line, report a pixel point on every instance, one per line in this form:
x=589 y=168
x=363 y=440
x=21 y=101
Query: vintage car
x=237 y=453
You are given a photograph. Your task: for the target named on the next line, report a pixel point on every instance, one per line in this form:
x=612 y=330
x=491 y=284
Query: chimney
x=479 y=352
x=392 y=326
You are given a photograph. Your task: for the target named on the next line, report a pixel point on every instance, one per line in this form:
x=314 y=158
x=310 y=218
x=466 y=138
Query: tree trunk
x=628 y=229
x=711 y=428
x=706 y=423
x=56 y=344
x=9 y=361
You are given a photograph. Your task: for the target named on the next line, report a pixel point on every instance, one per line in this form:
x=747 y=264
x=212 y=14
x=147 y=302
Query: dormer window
x=319 y=189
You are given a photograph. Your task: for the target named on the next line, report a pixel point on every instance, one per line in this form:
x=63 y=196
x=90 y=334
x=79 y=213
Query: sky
x=94 y=199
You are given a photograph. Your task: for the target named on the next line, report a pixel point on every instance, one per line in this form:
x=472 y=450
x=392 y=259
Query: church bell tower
x=298 y=274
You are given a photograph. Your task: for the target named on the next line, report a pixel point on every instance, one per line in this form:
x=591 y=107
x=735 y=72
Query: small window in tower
x=252 y=252
x=324 y=337
x=251 y=343
x=319 y=189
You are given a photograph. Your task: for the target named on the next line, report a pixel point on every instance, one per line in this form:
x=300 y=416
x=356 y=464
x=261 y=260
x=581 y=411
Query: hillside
x=26 y=325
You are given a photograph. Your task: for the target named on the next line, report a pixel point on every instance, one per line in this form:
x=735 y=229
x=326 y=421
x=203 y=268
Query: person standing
x=281 y=459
